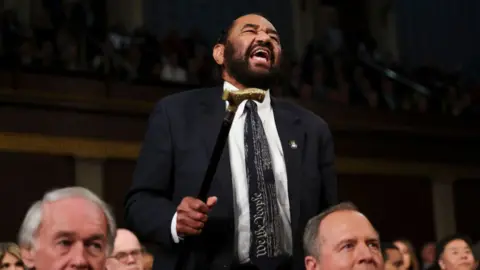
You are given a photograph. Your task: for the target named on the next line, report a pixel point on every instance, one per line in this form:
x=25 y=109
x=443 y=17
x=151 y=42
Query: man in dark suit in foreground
x=275 y=173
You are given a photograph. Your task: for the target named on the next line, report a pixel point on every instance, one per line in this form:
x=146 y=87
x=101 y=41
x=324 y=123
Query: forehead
x=401 y=245
x=429 y=248
x=457 y=243
x=126 y=241
x=9 y=257
x=252 y=19
x=344 y=225
x=393 y=254
x=75 y=215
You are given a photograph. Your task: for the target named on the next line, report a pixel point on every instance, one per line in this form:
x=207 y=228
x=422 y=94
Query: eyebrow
x=354 y=240
x=256 y=26
x=250 y=25
x=64 y=234
x=457 y=248
x=373 y=240
x=96 y=237
x=345 y=241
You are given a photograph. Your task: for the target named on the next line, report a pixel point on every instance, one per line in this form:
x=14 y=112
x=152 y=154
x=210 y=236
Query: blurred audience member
x=392 y=257
x=127 y=251
x=131 y=65
x=147 y=260
x=69 y=57
x=306 y=93
x=454 y=252
x=410 y=261
x=172 y=71
x=340 y=86
x=295 y=82
x=27 y=52
x=10 y=257
x=45 y=57
x=53 y=237
x=428 y=255
x=69 y=37
x=363 y=94
x=334 y=35
x=389 y=95
x=341 y=238
x=318 y=84
x=422 y=102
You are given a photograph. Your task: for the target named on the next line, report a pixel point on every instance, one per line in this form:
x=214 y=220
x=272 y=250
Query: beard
x=239 y=68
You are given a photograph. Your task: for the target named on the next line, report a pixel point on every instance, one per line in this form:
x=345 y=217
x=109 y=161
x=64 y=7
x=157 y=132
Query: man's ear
x=441 y=263
x=28 y=255
x=310 y=263
x=218 y=54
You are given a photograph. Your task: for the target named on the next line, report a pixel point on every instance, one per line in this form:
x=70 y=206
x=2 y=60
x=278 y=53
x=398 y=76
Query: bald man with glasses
x=127 y=252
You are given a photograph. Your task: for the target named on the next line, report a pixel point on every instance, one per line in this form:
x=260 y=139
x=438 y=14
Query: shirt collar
x=260 y=106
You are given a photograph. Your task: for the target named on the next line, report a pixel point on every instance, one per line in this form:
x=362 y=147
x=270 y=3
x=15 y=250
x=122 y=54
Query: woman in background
x=410 y=261
x=10 y=258
x=147 y=259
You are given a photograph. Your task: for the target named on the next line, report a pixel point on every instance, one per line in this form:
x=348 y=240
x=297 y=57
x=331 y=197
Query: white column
x=89 y=174
x=443 y=205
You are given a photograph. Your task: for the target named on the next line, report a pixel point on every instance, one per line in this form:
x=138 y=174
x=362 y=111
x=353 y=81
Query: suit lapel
x=291 y=135
x=212 y=112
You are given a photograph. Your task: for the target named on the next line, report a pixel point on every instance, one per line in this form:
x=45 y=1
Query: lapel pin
x=293 y=144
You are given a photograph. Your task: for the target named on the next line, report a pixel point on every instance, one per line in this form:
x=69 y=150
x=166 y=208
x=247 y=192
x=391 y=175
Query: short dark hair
x=223 y=37
x=440 y=247
x=386 y=246
x=312 y=229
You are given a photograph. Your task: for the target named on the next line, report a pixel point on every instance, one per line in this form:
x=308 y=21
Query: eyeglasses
x=123 y=256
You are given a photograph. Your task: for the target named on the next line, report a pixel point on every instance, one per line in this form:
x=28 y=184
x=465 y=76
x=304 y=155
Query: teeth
x=263 y=52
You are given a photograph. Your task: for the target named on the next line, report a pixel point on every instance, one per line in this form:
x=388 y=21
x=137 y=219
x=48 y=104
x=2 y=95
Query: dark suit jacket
x=179 y=141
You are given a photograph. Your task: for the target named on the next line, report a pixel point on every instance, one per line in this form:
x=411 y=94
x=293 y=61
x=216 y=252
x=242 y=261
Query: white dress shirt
x=239 y=176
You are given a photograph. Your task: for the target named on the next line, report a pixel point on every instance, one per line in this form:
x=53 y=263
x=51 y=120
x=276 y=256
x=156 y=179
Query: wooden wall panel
x=467 y=207
x=398 y=206
x=400 y=146
x=71 y=123
x=118 y=178
x=25 y=178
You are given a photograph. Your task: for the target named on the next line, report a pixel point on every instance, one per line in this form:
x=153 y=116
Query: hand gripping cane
x=234 y=99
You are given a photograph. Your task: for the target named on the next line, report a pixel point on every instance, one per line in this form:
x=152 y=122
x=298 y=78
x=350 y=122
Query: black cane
x=234 y=99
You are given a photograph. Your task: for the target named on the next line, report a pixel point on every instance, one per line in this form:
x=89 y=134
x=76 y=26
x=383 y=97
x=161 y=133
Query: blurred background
x=397 y=80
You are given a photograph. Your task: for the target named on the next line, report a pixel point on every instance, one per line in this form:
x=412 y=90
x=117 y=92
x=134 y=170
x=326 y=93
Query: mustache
x=261 y=44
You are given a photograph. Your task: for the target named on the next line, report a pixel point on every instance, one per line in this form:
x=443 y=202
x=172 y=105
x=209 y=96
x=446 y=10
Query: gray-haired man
x=341 y=238
x=70 y=228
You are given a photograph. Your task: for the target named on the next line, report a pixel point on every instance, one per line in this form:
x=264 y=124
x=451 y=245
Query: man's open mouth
x=261 y=55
